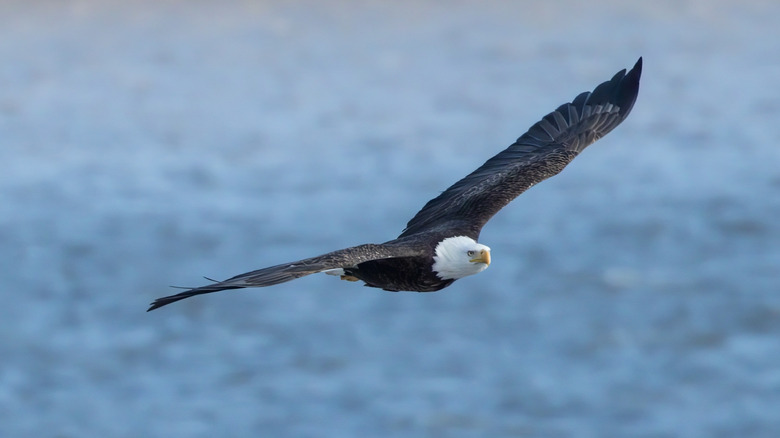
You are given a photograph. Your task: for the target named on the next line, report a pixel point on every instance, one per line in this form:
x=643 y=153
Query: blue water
x=146 y=144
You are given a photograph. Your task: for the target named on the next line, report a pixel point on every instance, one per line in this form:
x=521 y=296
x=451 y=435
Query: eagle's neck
x=451 y=260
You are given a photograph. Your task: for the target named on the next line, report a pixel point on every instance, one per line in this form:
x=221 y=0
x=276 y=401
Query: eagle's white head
x=460 y=256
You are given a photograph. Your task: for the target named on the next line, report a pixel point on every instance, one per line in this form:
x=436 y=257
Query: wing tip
x=633 y=75
x=628 y=89
x=164 y=301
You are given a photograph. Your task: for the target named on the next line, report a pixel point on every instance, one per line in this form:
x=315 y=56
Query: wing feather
x=270 y=276
x=543 y=151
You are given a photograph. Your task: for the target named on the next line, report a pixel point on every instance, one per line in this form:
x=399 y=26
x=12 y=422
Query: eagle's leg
x=342 y=274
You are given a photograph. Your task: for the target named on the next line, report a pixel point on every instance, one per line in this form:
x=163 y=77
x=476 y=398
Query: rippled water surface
x=149 y=143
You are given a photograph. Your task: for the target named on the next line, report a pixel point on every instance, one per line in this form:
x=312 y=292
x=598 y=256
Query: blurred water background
x=145 y=144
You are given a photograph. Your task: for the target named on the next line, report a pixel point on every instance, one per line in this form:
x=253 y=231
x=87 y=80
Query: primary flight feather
x=439 y=244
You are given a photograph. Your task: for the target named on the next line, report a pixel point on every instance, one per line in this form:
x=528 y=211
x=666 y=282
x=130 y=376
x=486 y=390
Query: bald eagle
x=439 y=244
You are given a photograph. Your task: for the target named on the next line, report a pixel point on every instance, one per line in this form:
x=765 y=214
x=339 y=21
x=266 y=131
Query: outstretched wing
x=538 y=154
x=343 y=258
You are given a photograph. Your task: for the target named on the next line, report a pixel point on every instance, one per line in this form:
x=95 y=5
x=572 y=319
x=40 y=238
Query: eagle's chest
x=400 y=274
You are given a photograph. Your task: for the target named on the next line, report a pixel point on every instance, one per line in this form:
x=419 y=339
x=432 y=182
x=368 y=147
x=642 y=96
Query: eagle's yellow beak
x=483 y=257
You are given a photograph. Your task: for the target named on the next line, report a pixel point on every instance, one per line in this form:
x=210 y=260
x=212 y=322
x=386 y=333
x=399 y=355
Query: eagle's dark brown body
x=413 y=274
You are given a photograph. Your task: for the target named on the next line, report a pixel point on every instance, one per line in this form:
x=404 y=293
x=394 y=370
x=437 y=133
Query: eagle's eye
x=470 y=253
